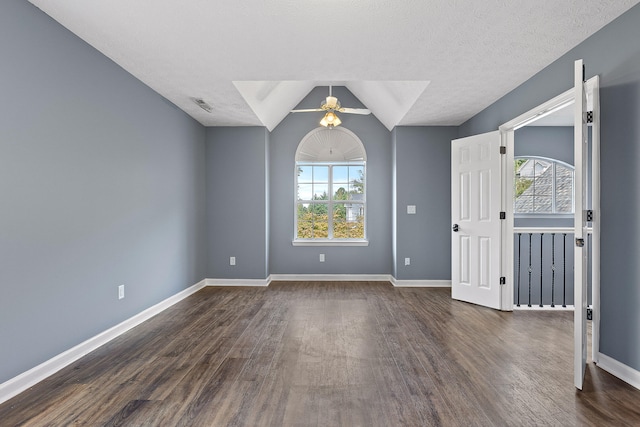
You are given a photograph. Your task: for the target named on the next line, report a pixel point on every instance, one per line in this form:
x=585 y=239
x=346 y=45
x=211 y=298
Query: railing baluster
x=529 y=301
x=541 y=236
x=518 y=290
x=559 y=258
x=553 y=268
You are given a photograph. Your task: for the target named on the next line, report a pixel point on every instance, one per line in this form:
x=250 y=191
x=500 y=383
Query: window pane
x=318 y=210
x=305 y=230
x=305 y=174
x=303 y=212
x=564 y=189
x=320 y=191
x=321 y=229
x=523 y=187
x=313 y=221
x=348 y=221
x=304 y=191
x=341 y=193
x=542 y=204
x=321 y=174
x=305 y=224
x=523 y=204
x=341 y=175
x=542 y=186
x=356 y=179
x=320 y=220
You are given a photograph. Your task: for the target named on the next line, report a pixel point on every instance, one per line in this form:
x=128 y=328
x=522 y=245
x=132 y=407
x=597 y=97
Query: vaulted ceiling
x=412 y=62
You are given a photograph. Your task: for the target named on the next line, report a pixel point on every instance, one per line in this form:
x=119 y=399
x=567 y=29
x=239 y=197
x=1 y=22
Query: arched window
x=330 y=177
x=542 y=186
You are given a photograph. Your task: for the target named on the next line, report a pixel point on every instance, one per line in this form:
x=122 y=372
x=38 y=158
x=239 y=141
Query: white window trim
x=329 y=241
x=312 y=151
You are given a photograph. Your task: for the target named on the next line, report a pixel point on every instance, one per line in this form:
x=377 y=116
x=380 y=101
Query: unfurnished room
x=304 y=213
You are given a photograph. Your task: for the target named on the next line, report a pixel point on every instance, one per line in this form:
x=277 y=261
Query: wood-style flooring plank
x=331 y=354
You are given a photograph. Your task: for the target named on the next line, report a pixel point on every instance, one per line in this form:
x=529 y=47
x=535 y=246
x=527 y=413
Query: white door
x=475 y=214
x=580 y=226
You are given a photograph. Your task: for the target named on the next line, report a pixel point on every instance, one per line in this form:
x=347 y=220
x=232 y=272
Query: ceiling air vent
x=202 y=104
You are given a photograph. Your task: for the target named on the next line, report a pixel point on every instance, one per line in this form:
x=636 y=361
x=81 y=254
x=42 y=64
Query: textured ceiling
x=412 y=62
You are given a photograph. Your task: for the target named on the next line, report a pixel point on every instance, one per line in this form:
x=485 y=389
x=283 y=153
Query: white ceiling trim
x=271 y=101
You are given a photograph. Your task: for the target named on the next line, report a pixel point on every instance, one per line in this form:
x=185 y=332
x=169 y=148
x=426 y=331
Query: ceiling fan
x=331 y=105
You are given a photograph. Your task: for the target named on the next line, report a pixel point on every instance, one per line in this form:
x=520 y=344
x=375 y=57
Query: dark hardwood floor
x=331 y=354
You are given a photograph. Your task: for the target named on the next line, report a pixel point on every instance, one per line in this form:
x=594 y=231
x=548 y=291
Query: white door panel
x=475 y=200
x=580 y=227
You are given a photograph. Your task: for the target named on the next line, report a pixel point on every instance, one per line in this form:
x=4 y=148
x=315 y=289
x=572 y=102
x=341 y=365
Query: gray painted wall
x=287 y=259
x=554 y=142
x=614 y=55
x=101 y=184
x=423 y=179
x=237 y=202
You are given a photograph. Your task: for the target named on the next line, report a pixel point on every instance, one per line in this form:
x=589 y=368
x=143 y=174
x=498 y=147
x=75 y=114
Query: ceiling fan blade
x=363 y=111
x=308 y=110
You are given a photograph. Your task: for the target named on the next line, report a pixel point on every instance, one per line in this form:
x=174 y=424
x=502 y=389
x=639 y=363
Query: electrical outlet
x=120 y=291
x=232 y=260
x=411 y=209
x=321 y=257
x=407 y=261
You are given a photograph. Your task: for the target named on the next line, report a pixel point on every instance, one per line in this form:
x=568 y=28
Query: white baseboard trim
x=620 y=370
x=17 y=385
x=238 y=282
x=330 y=277
x=421 y=283
x=524 y=307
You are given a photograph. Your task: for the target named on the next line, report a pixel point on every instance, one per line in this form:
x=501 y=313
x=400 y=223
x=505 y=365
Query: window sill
x=329 y=242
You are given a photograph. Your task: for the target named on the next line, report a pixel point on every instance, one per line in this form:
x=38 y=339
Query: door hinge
x=503 y=215
x=580 y=243
x=589 y=314
x=589 y=215
x=503 y=280
x=503 y=149
x=589 y=118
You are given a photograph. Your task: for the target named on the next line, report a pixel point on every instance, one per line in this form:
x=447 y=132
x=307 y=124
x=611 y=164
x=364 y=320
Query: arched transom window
x=330 y=190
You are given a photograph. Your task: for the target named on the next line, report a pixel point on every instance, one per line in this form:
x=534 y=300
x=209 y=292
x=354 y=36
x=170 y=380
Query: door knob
x=455 y=227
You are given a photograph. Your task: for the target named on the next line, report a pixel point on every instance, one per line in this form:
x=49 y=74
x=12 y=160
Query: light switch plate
x=411 y=209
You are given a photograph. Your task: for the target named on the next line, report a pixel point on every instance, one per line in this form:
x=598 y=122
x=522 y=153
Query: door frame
x=507 y=131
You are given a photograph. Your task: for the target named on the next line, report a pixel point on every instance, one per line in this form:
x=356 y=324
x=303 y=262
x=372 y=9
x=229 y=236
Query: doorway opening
x=585 y=221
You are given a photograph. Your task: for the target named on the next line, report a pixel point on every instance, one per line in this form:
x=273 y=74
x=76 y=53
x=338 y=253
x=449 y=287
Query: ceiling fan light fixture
x=331 y=103
x=330 y=120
